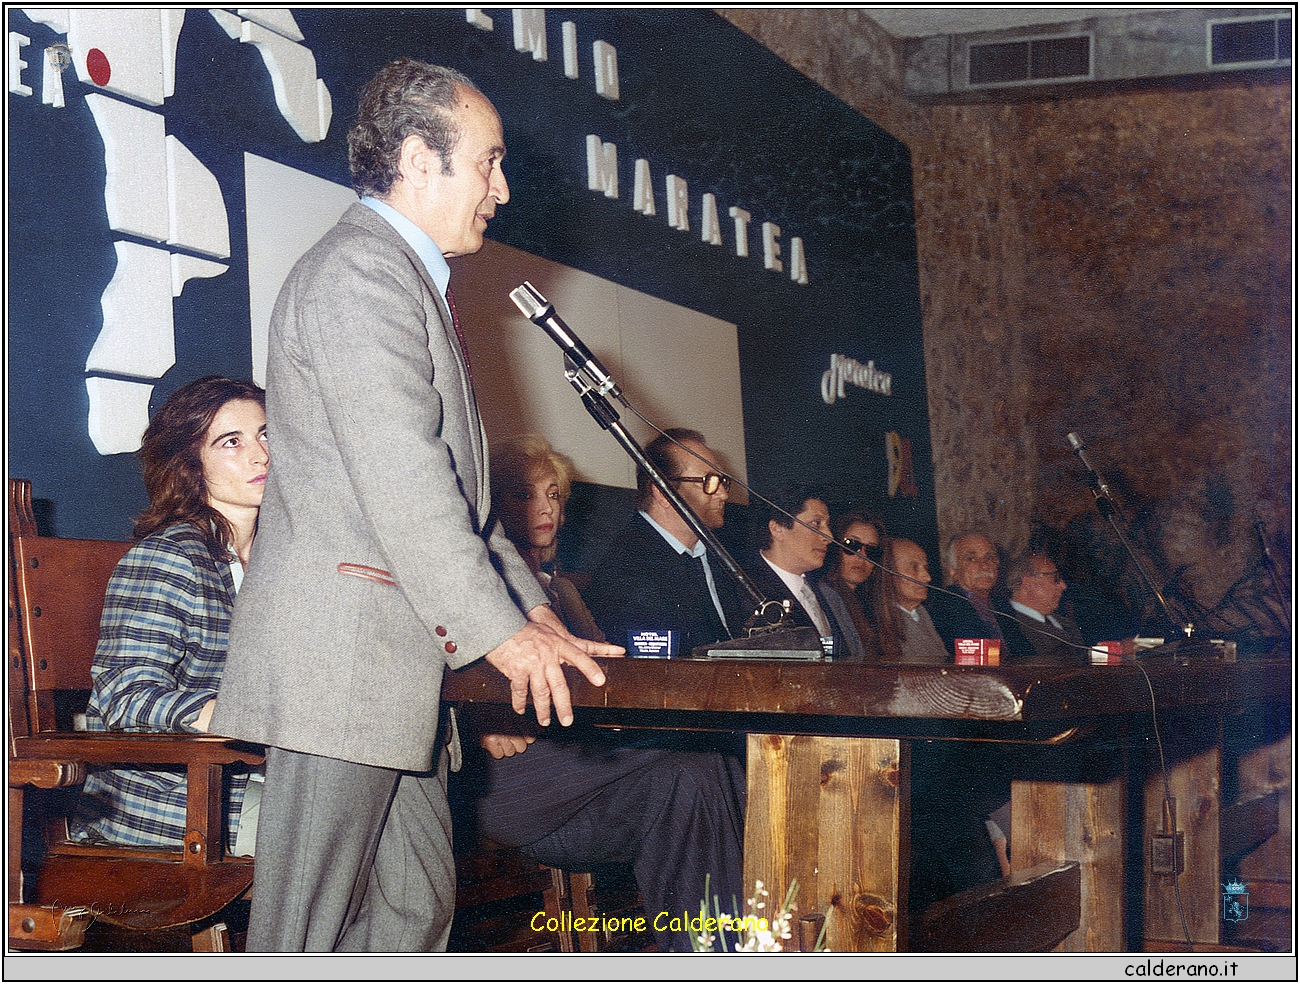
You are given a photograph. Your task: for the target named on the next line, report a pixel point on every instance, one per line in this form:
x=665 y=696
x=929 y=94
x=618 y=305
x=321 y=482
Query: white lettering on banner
x=530 y=32
x=602 y=157
x=845 y=370
x=742 y=229
x=569 y=32
x=17 y=42
x=676 y=193
x=602 y=166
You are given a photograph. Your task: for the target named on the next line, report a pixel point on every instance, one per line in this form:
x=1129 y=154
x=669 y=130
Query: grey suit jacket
x=372 y=570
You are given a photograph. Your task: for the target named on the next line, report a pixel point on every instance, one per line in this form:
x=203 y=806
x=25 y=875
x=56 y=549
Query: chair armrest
x=45 y=773
x=135 y=749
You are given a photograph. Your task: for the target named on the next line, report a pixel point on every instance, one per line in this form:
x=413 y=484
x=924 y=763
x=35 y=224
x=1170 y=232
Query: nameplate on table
x=652 y=643
x=977 y=652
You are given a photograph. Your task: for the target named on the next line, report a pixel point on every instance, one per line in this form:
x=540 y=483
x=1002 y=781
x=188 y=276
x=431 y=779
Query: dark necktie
x=460 y=335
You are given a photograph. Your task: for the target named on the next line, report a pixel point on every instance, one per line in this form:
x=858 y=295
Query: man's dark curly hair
x=407 y=97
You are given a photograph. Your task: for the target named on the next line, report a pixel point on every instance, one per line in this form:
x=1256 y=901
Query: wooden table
x=829 y=768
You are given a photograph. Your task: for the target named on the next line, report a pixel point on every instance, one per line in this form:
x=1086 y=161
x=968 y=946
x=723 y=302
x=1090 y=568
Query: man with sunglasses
x=1039 y=632
x=657 y=577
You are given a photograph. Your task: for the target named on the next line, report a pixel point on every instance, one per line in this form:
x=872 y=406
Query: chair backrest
x=56 y=601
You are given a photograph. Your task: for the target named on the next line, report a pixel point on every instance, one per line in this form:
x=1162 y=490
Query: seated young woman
x=163 y=634
x=847 y=572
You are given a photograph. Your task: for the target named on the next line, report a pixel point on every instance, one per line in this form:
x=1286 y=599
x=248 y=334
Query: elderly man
x=965 y=611
x=906 y=633
x=1036 y=632
x=374 y=569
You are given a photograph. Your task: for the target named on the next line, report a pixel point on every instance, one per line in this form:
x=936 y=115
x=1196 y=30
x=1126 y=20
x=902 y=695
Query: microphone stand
x=1107 y=506
x=585 y=373
x=1272 y=570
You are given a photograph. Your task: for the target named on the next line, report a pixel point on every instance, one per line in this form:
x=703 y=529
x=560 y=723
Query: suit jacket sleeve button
x=441 y=630
x=450 y=647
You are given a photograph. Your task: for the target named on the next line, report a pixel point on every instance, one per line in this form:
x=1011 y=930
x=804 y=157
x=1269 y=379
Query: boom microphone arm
x=584 y=371
x=1107 y=506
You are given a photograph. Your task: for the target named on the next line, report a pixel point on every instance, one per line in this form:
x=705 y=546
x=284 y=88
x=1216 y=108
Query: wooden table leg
x=851 y=859
x=1072 y=805
x=1193 y=762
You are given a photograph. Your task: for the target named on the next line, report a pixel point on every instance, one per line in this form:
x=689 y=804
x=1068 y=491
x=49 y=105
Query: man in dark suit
x=965 y=611
x=789 y=550
x=656 y=574
x=373 y=570
x=1035 y=631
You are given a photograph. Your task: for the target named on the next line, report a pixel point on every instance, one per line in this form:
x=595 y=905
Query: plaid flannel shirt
x=162 y=646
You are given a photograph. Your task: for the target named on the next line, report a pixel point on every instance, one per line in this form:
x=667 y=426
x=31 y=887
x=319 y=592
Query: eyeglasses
x=709 y=482
x=1054 y=575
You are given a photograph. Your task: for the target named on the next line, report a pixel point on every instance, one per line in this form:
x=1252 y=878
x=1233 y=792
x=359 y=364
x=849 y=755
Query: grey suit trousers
x=363 y=855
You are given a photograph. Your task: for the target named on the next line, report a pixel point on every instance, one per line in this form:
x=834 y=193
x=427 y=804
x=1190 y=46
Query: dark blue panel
x=698 y=99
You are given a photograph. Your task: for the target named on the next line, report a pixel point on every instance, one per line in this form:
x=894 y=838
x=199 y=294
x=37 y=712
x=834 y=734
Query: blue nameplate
x=652 y=643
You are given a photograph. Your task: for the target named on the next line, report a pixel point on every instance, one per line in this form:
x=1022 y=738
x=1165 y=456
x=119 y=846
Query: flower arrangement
x=751 y=931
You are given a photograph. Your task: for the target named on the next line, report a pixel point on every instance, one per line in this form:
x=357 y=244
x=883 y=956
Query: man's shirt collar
x=425 y=248
x=913 y=613
x=1033 y=613
x=673 y=542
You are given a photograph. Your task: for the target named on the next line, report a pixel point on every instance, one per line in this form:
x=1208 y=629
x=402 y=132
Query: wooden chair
x=56 y=594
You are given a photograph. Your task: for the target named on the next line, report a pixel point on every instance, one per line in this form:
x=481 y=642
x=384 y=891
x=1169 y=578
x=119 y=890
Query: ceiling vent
x=1033 y=60
x=1249 y=43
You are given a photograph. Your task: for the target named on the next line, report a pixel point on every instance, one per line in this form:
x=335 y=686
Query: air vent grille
x=1034 y=60
x=1235 y=43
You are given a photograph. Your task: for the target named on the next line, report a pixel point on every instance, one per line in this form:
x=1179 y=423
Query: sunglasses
x=710 y=482
x=872 y=551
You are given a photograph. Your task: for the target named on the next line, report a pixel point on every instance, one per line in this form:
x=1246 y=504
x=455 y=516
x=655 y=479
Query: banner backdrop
x=664 y=152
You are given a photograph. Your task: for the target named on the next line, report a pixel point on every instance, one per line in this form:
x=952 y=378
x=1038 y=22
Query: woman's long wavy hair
x=173 y=467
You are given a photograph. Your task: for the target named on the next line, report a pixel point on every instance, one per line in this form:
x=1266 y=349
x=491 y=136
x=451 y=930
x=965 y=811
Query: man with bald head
x=656 y=576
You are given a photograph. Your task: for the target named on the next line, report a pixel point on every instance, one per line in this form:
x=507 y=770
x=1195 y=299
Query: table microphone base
x=772 y=643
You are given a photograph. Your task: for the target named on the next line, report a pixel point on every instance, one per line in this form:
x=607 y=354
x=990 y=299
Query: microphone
x=537 y=309
x=1081 y=451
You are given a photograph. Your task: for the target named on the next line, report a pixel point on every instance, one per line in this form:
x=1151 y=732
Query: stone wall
x=1112 y=263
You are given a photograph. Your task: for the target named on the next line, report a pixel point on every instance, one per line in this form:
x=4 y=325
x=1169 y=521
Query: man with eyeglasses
x=671 y=808
x=656 y=577
x=1039 y=633
x=792 y=545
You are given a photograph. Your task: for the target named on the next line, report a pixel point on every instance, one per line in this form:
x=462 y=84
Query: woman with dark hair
x=531 y=482
x=163 y=634
x=847 y=571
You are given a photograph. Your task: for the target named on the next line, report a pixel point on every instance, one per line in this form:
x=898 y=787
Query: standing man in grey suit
x=374 y=568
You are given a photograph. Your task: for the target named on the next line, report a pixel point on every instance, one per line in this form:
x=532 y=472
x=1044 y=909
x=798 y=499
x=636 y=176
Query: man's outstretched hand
x=533 y=659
